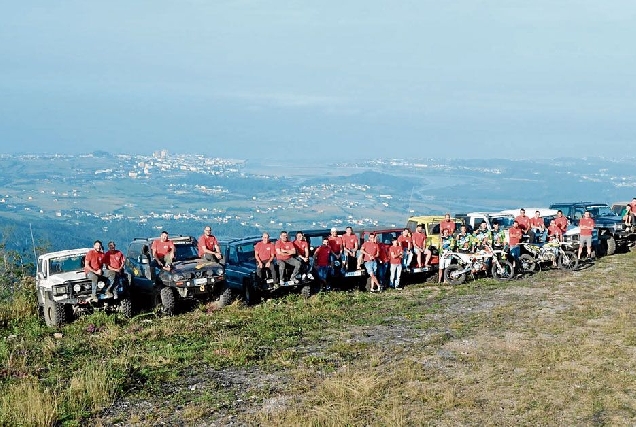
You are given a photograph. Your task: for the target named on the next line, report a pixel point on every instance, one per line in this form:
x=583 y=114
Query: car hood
x=73 y=276
x=192 y=266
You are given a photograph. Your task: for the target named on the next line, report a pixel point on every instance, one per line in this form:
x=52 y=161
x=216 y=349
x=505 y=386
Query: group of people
x=629 y=213
x=104 y=266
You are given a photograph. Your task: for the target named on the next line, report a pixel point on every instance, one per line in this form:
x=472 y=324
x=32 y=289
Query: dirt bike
x=476 y=264
x=547 y=255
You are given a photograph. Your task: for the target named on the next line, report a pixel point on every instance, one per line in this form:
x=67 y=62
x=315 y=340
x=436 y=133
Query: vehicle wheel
x=611 y=246
x=226 y=298
x=505 y=270
x=568 y=261
x=54 y=313
x=528 y=263
x=251 y=295
x=305 y=291
x=453 y=276
x=167 y=301
x=125 y=306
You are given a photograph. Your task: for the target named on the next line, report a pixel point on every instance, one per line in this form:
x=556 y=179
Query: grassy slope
x=557 y=348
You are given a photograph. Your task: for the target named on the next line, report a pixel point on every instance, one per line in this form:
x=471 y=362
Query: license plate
x=353 y=273
x=202 y=281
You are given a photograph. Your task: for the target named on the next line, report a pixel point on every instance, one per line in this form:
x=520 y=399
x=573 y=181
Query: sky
x=299 y=80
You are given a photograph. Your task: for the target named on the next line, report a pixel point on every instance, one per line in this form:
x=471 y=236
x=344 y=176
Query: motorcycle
x=476 y=264
x=537 y=257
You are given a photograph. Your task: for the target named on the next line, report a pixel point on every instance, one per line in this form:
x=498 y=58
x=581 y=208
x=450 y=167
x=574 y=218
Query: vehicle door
x=139 y=267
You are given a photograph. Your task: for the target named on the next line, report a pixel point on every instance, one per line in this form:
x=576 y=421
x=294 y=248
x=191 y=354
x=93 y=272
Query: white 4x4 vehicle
x=64 y=290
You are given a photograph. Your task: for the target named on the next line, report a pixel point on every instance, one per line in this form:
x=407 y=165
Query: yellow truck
x=431 y=225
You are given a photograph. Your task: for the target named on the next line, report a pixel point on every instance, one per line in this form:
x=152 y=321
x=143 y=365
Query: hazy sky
x=338 y=79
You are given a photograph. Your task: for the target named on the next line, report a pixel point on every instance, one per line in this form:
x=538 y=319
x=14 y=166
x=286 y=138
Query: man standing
x=264 y=252
x=285 y=251
x=114 y=261
x=561 y=221
x=163 y=251
x=321 y=262
x=350 y=244
x=370 y=252
x=515 y=233
x=447 y=224
x=395 y=257
x=406 y=241
x=93 y=267
x=208 y=246
x=447 y=244
x=537 y=228
x=419 y=247
x=586 y=224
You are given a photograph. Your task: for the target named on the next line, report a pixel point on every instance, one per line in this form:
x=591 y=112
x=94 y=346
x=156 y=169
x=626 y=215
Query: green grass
x=520 y=351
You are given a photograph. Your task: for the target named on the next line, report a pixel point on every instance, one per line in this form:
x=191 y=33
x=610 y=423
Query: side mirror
x=143 y=259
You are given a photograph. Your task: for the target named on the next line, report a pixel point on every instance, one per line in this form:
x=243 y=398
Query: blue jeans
x=372 y=267
x=382 y=270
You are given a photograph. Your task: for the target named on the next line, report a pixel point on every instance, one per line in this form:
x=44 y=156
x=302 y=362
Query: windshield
x=601 y=210
x=504 y=221
x=186 y=252
x=66 y=264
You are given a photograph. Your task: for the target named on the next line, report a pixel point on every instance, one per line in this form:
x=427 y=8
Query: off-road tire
x=126 y=308
x=527 y=263
x=505 y=271
x=449 y=275
x=226 y=297
x=54 y=313
x=611 y=246
x=168 y=302
x=568 y=261
x=305 y=291
x=251 y=295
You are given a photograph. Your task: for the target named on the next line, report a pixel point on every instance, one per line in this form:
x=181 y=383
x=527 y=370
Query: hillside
x=554 y=349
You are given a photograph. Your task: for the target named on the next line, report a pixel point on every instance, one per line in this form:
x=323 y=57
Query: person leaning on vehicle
x=321 y=262
x=561 y=221
x=163 y=251
x=395 y=258
x=264 y=252
x=447 y=224
x=114 y=261
x=419 y=247
x=208 y=246
x=586 y=224
x=406 y=241
x=93 y=263
x=350 y=248
x=515 y=234
x=285 y=252
x=447 y=244
x=537 y=228
x=370 y=252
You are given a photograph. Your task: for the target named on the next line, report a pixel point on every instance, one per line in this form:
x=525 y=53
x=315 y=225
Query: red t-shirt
x=114 y=259
x=162 y=248
x=335 y=243
x=206 y=242
x=524 y=222
x=589 y=222
x=562 y=223
x=536 y=222
x=383 y=255
x=633 y=207
x=349 y=241
x=395 y=254
x=287 y=246
x=554 y=230
x=419 y=239
x=370 y=248
x=405 y=241
x=322 y=256
x=93 y=260
x=264 y=251
x=447 y=225
x=515 y=235
x=301 y=246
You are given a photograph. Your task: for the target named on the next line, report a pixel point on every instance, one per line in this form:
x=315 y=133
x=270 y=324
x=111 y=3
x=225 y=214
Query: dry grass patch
x=25 y=403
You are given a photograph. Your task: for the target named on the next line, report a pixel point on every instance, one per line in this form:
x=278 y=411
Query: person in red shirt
x=554 y=231
x=114 y=261
x=208 y=246
x=383 y=261
x=322 y=256
x=163 y=251
x=419 y=247
x=93 y=263
x=630 y=218
x=335 y=243
x=406 y=241
x=264 y=252
x=523 y=220
x=395 y=256
x=285 y=252
x=561 y=221
x=302 y=250
x=586 y=224
x=350 y=244
x=537 y=228
x=515 y=233
x=370 y=252
x=447 y=224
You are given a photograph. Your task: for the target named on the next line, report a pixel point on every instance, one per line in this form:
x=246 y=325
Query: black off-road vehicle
x=190 y=279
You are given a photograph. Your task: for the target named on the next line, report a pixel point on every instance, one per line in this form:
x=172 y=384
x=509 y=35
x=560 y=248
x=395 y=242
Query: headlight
x=60 y=290
x=219 y=272
x=178 y=277
x=77 y=288
x=100 y=285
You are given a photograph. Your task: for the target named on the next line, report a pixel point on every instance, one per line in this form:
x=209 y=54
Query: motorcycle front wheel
x=453 y=275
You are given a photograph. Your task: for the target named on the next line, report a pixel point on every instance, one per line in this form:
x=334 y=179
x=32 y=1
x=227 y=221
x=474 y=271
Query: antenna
x=35 y=260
